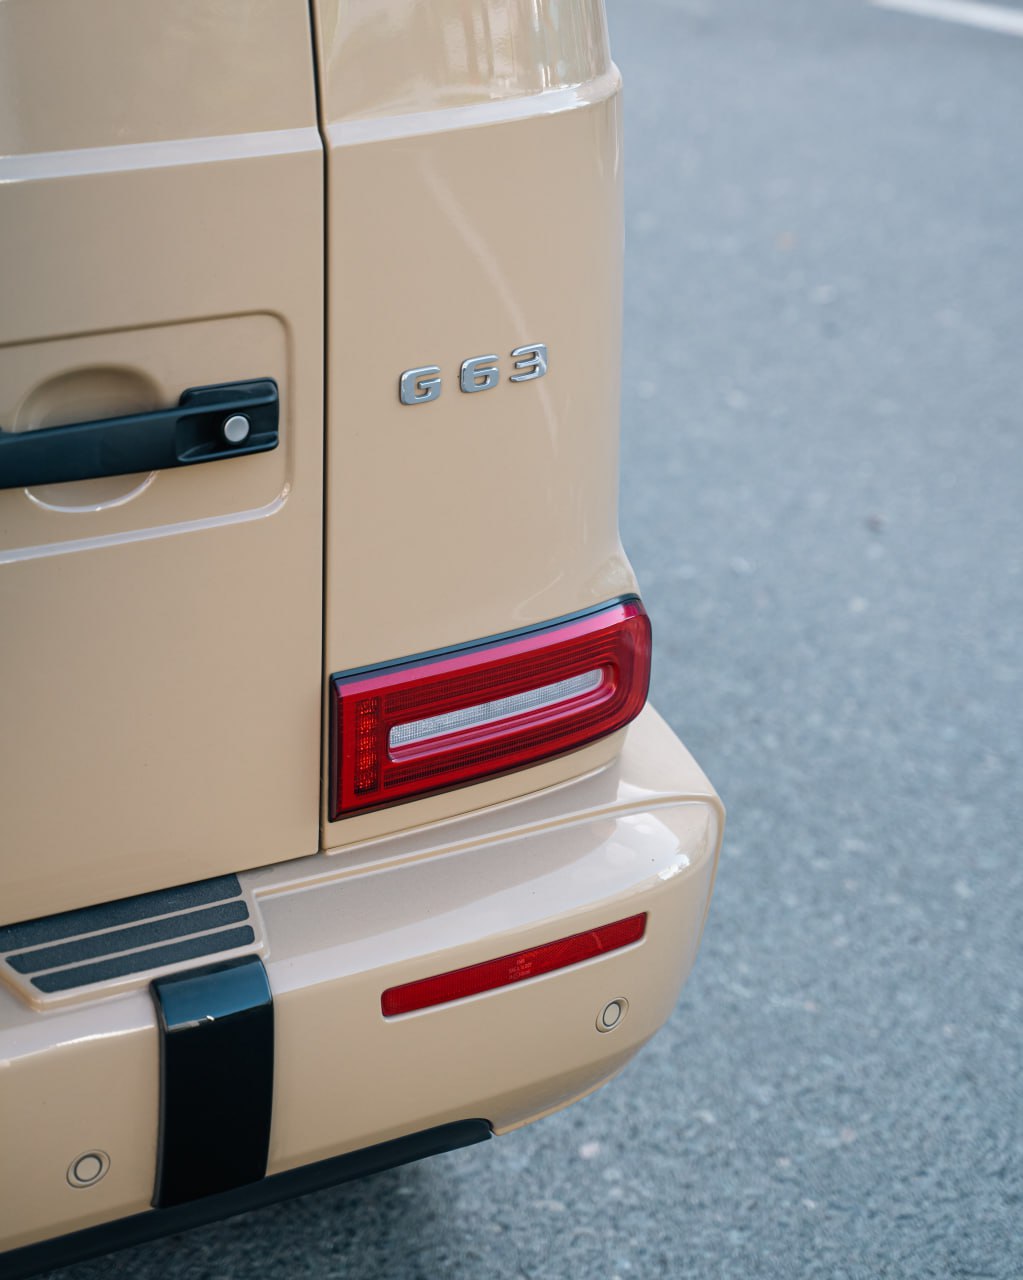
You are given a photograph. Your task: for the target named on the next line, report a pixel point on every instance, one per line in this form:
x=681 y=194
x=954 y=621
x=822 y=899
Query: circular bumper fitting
x=88 y=1168
x=612 y=1014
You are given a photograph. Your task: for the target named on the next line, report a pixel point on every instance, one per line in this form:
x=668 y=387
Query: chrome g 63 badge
x=478 y=373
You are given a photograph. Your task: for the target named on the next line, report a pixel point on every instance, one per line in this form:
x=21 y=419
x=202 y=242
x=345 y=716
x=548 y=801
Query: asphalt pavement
x=822 y=493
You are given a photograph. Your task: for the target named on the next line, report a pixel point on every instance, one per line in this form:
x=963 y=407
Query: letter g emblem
x=419 y=385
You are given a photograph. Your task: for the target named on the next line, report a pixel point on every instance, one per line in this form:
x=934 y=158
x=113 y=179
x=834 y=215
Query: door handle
x=229 y=420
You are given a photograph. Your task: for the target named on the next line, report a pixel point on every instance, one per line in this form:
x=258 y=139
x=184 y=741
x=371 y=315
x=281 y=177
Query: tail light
x=427 y=724
x=502 y=972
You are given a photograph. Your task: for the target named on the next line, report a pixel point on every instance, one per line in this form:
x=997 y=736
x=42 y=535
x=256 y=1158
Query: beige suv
x=334 y=829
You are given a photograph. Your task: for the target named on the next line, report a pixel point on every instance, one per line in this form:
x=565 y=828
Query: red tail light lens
x=423 y=725
x=502 y=972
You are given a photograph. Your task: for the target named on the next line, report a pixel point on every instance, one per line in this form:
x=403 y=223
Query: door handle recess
x=229 y=420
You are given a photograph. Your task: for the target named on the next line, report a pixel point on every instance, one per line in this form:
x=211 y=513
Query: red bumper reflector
x=502 y=972
x=422 y=725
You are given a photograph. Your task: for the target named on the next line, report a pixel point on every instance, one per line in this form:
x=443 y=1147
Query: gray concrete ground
x=823 y=496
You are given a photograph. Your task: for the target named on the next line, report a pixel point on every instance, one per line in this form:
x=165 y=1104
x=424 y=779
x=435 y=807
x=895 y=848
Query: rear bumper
x=641 y=835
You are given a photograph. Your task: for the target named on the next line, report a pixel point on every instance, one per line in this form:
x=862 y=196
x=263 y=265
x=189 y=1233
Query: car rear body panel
x=481 y=156
x=328 y=195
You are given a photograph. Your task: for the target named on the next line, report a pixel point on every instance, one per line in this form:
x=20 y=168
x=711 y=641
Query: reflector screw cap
x=612 y=1014
x=236 y=428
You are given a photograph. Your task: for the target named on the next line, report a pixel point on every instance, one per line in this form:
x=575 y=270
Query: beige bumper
x=640 y=835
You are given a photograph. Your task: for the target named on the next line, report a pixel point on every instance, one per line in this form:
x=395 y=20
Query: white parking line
x=990 y=17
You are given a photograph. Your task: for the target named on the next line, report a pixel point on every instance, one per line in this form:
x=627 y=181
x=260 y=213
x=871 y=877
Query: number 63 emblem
x=480 y=373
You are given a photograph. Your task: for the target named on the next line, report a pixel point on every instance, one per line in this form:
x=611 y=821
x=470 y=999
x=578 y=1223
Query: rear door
x=161 y=197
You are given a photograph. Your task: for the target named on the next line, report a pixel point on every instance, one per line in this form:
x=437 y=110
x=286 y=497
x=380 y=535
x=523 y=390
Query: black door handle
x=225 y=421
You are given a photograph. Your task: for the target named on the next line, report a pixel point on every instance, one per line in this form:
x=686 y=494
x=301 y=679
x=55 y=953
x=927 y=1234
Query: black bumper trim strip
x=216 y=1079
x=18 y=1264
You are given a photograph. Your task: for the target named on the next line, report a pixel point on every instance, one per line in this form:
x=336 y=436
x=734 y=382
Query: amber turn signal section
x=505 y=970
x=422 y=725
